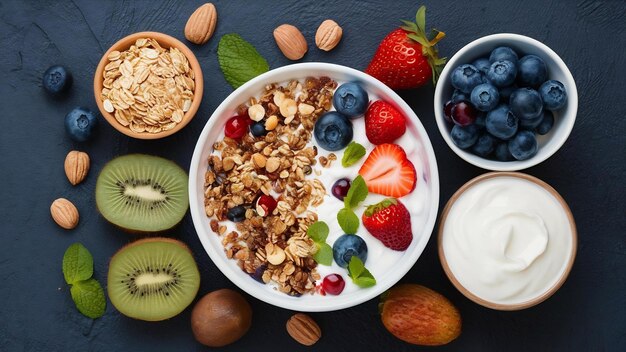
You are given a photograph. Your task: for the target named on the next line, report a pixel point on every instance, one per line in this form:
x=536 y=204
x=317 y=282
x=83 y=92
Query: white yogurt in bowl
x=386 y=265
x=507 y=240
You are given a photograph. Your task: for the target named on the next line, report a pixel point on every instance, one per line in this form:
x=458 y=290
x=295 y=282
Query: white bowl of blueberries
x=505 y=102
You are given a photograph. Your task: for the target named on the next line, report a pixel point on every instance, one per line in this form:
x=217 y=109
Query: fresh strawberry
x=406 y=58
x=387 y=171
x=384 y=123
x=390 y=222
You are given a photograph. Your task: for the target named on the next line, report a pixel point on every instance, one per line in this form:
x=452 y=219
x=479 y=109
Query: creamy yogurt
x=507 y=240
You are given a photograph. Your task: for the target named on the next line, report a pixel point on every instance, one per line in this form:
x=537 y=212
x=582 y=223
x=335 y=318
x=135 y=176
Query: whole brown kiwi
x=221 y=317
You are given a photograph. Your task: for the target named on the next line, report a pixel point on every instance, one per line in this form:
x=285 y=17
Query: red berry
x=464 y=113
x=447 y=110
x=236 y=127
x=340 y=188
x=265 y=205
x=333 y=284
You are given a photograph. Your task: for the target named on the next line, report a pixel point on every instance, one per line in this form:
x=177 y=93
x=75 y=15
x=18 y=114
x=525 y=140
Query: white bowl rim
x=243 y=281
x=495 y=165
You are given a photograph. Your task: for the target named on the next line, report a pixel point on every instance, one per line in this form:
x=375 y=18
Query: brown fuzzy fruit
x=419 y=315
x=221 y=317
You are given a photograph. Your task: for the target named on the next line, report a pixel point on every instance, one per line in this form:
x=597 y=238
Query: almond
x=290 y=41
x=303 y=329
x=76 y=166
x=201 y=24
x=328 y=35
x=64 y=213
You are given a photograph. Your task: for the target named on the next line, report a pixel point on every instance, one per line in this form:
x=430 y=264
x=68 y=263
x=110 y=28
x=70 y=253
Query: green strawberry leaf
x=77 y=264
x=420 y=19
x=318 y=231
x=324 y=254
x=239 y=60
x=348 y=221
x=356 y=194
x=89 y=298
x=353 y=153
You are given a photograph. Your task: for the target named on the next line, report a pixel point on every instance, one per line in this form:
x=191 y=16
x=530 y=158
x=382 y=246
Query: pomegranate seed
x=236 y=127
x=333 y=284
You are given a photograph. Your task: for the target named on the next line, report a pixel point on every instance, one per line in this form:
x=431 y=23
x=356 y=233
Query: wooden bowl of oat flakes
x=148 y=85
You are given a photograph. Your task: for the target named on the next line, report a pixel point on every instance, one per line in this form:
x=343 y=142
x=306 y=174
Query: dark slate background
x=36 y=311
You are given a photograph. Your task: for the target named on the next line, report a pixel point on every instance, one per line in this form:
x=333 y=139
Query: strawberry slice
x=387 y=171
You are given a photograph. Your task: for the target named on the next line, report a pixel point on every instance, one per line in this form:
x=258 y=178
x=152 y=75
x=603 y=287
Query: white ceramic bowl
x=564 y=119
x=211 y=242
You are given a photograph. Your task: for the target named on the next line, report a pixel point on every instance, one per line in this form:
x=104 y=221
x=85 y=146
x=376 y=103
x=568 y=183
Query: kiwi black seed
x=153 y=279
x=142 y=193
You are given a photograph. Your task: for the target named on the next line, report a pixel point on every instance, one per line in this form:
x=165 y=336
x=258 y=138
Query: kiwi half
x=142 y=193
x=153 y=279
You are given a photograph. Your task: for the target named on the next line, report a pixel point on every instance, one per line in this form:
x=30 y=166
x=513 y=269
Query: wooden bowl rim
x=166 y=41
x=499 y=306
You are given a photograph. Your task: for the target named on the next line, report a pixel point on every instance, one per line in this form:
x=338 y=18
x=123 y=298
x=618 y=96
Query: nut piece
x=328 y=35
x=303 y=329
x=288 y=107
x=275 y=254
x=290 y=41
x=76 y=166
x=64 y=213
x=271 y=123
x=201 y=24
x=272 y=164
x=256 y=112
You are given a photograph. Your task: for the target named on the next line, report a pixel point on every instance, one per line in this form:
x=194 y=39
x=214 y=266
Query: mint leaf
x=239 y=60
x=355 y=267
x=89 y=298
x=364 y=282
x=324 y=254
x=77 y=264
x=356 y=194
x=353 y=153
x=318 y=231
x=348 y=221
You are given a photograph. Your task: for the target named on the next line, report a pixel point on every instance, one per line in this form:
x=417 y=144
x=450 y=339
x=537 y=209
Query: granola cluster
x=272 y=247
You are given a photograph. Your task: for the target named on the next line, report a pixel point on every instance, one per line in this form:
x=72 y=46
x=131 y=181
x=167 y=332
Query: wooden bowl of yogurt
x=507 y=240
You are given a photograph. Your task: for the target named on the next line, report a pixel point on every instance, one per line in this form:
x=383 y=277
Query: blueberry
x=346 y=246
x=236 y=214
x=553 y=94
x=485 y=97
x=505 y=93
x=465 y=78
x=526 y=103
x=480 y=120
x=502 y=152
x=531 y=124
x=501 y=122
x=531 y=71
x=333 y=131
x=350 y=99
x=258 y=129
x=464 y=137
x=523 y=146
x=258 y=273
x=482 y=64
x=484 y=145
x=458 y=96
x=502 y=73
x=57 y=80
x=546 y=123
x=503 y=53
x=80 y=124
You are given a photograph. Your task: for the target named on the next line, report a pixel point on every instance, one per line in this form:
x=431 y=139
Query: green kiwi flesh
x=142 y=193
x=153 y=279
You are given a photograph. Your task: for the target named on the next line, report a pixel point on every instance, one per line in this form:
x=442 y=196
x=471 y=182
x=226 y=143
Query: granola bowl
x=148 y=85
x=268 y=251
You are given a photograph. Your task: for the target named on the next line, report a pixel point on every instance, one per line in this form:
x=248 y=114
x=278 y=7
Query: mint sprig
x=86 y=292
x=318 y=232
x=239 y=60
x=359 y=274
x=346 y=217
x=353 y=153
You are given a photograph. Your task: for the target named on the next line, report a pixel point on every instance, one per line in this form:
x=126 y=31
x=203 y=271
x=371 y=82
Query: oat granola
x=273 y=247
x=148 y=88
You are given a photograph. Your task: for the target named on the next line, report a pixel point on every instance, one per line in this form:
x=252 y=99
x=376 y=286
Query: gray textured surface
x=36 y=311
